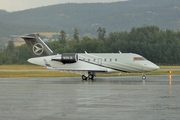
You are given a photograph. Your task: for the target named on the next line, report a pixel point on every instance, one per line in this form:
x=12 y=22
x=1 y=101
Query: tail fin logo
x=38 y=49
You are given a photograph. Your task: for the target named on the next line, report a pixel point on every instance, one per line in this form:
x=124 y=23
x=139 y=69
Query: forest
x=88 y=17
x=159 y=46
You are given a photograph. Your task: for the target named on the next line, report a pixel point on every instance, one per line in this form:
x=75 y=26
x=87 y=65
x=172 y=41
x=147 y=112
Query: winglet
x=85 y=52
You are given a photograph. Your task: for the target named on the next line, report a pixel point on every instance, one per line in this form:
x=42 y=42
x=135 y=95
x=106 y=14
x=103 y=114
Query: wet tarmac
x=106 y=98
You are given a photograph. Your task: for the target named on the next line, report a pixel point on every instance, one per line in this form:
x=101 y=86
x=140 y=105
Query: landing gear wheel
x=91 y=76
x=84 y=77
x=143 y=76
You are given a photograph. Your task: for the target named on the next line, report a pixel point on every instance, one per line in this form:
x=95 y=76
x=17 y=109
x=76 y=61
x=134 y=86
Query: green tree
x=10 y=46
x=101 y=33
x=62 y=37
x=76 y=34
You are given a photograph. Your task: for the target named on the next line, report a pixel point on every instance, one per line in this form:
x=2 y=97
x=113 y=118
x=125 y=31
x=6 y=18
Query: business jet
x=86 y=64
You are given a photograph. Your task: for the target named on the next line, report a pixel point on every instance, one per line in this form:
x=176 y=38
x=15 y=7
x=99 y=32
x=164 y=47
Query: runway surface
x=106 y=98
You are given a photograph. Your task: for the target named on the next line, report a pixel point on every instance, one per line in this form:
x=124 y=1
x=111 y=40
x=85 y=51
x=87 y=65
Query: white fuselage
x=100 y=62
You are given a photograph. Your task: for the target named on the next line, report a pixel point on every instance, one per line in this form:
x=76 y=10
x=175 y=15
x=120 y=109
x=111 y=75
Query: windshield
x=138 y=58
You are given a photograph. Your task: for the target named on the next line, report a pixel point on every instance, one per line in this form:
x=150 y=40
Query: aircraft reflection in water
x=86 y=64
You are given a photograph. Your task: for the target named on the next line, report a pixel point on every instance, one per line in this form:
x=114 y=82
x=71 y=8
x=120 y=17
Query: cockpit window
x=138 y=58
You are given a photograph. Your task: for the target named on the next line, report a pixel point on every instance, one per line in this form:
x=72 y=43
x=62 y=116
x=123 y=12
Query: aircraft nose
x=153 y=67
x=156 y=67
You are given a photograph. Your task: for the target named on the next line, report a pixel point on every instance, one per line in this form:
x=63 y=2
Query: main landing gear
x=90 y=76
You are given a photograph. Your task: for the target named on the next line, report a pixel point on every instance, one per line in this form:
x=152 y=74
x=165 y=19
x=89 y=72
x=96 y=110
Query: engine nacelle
x=66 y=58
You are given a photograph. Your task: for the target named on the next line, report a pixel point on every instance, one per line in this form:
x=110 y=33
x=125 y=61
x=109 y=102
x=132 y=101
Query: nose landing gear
x=143 y=76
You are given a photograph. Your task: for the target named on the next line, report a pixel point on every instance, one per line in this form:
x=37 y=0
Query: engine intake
x=66 y=58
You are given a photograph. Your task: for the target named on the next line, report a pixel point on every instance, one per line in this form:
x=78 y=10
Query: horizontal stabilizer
x=23 y=36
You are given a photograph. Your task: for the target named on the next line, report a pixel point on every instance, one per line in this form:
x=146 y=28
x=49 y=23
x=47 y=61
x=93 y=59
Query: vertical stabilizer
x=36 y=45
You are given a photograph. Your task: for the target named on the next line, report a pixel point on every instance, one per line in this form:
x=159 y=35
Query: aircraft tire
x=84 y=77
x=144 y=77
x=91 y=76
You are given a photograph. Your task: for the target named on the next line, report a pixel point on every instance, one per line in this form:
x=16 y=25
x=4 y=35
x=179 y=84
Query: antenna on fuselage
x=85 y=52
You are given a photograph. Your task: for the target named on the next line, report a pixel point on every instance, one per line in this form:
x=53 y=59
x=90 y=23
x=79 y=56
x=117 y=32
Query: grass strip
x=21 y=67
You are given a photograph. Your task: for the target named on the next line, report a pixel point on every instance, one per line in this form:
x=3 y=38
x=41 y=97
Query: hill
x=3 y=12
x=88 y=17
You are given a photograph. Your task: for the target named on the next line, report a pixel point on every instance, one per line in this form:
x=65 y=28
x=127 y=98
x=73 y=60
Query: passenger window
x=116 y=59
x=110 y=60
x=105 y=60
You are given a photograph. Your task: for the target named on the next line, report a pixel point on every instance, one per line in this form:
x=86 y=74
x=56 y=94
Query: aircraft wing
x=48 y=66
x=77 y=69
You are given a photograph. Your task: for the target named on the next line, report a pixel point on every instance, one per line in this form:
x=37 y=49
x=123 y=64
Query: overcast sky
x=16 y=5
